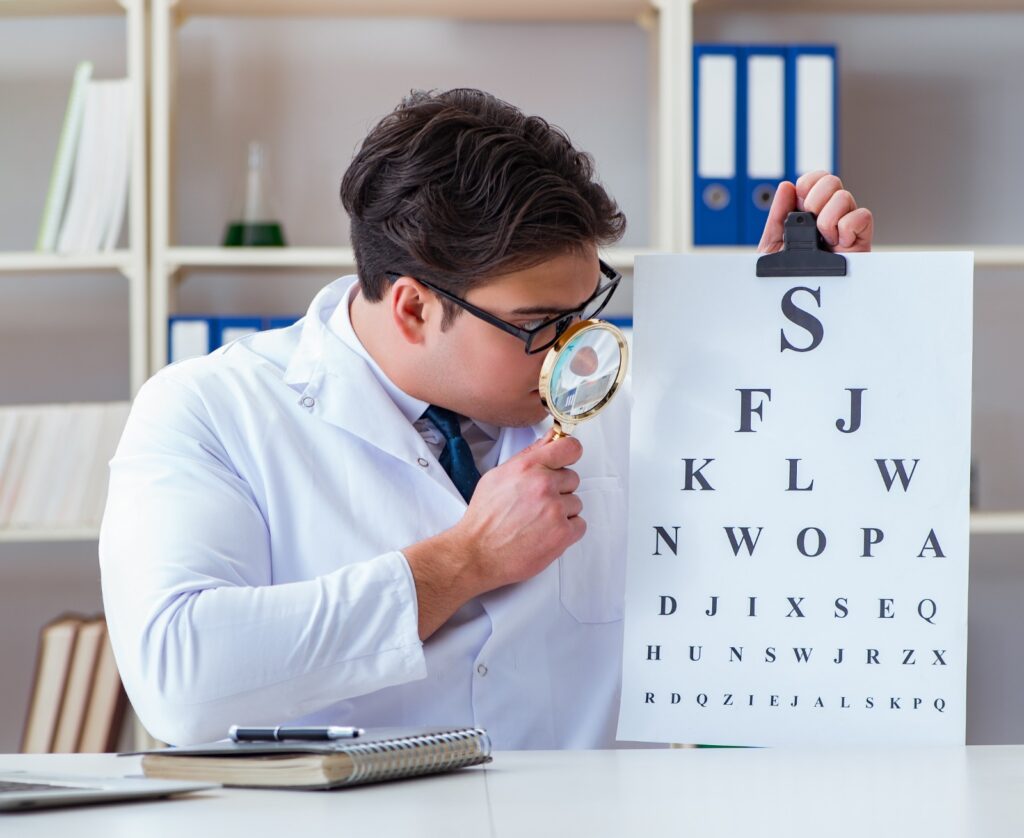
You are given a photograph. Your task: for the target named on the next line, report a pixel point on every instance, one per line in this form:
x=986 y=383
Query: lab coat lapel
x=337 y=386
x=349 y=396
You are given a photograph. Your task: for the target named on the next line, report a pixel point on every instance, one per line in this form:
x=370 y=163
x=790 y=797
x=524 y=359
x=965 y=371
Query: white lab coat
x=251 y=570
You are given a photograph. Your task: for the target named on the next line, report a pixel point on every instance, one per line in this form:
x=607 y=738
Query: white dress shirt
x=252 y=570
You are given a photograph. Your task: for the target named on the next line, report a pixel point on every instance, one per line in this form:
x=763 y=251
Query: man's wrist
x=445 y=570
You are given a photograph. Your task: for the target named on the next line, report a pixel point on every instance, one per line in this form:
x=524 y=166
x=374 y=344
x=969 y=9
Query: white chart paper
x=798 y=546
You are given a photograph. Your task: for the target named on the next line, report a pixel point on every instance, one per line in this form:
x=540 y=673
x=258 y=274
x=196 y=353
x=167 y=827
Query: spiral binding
x=415 y=755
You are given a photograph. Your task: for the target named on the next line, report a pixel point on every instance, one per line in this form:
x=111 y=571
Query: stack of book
x=53 y=463
x=78 y=702
x=85 y=205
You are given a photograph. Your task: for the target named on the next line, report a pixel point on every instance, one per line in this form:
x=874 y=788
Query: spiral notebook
x=378 y=754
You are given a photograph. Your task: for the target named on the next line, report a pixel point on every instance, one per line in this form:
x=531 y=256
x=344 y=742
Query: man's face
x=481 y=371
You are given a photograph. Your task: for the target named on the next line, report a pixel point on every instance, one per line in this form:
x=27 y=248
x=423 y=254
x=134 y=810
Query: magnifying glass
x=581 y=372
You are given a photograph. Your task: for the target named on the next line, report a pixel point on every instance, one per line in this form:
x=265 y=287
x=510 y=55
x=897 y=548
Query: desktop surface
x=934 y=792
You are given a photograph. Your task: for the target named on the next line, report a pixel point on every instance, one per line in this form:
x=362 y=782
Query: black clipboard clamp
x=804 y=252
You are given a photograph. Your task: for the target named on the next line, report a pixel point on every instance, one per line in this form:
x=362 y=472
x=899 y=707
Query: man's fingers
x=822 y=191
x=856 y=230
x=838 y=205
x=804 y=184
x=556 y=453
x=783 y=204
x=537 y=444
x=568 y=481
x=571 y=505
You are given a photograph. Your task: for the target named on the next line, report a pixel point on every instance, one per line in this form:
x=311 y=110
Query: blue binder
x=717 y=121
x=281 y=322
x=189 y=336
x=763 y=94
x=228 y=329
x=777 y=120
x=812 y=108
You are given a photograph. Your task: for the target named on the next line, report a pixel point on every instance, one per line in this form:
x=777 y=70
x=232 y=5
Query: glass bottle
x=255 y=226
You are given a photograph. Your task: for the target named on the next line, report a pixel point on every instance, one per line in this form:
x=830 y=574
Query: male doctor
x=362 y=519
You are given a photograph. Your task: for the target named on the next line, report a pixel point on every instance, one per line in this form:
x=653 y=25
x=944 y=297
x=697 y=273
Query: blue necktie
x=456 y=458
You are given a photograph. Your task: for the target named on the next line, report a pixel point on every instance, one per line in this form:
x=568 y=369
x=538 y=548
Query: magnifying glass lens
x=585 y=372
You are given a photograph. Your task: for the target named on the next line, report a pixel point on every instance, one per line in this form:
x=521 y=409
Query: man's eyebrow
x=553 y=311
x=541 y=310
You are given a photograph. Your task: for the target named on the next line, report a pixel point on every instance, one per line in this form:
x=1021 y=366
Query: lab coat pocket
x=592 y=572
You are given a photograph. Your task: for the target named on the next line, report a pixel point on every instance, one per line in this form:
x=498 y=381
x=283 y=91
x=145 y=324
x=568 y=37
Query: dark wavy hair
x=458 y=187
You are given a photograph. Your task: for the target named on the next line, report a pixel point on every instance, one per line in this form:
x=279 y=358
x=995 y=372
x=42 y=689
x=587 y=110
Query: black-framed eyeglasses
x=546 y=332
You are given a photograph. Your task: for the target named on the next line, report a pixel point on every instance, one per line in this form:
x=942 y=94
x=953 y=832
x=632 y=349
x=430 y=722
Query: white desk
x=926 y=793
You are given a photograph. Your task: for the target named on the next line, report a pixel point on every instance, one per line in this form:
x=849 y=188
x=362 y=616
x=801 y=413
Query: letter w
x=890 y=478
x=745 y=539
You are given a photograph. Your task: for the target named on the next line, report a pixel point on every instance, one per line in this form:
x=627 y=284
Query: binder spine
x=228 y=329
x=410 y=757
x=717 y=122
x=812 y=107
x=189 y=336
x=762 y=96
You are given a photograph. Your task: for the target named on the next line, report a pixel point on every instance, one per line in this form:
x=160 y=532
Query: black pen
x=281 y=732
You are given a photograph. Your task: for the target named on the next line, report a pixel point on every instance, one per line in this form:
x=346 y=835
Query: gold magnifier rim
x=573 y=331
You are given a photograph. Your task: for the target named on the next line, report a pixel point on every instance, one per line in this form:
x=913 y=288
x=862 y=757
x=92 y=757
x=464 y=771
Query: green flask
x=255 y=226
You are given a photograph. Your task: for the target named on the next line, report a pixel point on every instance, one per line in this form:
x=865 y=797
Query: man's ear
x=413 y=306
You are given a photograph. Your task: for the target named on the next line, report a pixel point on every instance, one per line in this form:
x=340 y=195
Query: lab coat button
x=307 y=401
x=423 y=462
x=481 y=669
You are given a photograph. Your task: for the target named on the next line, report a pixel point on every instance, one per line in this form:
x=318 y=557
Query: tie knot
x=446 y=421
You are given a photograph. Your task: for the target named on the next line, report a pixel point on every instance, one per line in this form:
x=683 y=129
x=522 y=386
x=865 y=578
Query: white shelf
x=259 y=257
x=997 y=523
x=13 y=536
x=622 y=258
x=524 y=10
x=34 y=262
x=859 y=6
x=556 y=10
x=982 y=523
x=180 y=258
x=990 y=256
x=47 y=8
x=985 y=255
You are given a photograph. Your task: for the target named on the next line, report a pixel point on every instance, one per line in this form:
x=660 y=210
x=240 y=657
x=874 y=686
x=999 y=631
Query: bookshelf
x=49 y=570
x=130 y=262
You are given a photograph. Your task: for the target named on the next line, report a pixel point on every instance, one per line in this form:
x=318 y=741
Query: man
x=297 y=527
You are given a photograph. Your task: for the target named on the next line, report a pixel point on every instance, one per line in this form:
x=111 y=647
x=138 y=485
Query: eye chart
x=798 y=545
